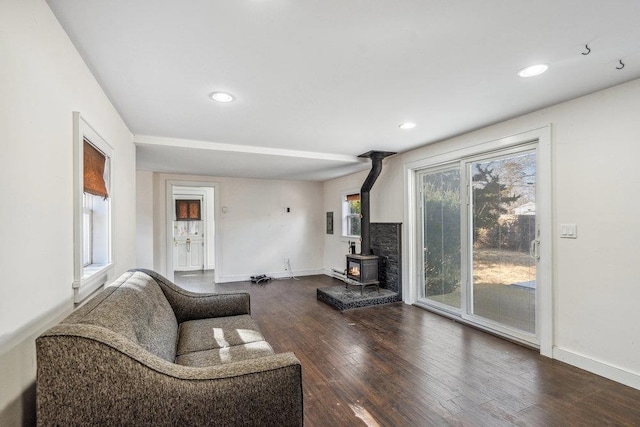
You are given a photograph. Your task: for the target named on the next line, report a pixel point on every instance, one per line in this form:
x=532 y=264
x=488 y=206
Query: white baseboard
x=597 y=367
x=329 y=271
x=275 y=275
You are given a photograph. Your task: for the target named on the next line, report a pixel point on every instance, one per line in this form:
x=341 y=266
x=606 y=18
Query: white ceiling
x=318 y=82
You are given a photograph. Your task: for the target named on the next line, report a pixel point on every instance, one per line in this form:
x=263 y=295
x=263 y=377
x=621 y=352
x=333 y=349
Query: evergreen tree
x=490 y=198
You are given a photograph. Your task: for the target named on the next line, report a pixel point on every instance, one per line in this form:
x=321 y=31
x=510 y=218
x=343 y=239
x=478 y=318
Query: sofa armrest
x=89 y=375
x=191 y=305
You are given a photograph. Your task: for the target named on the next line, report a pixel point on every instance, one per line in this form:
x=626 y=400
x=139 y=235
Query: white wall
x=144 y=219
x=254 y=233
x=595 y=147
x=385 y=187
x=42 y=81
x=210 y=220
x=336 y=246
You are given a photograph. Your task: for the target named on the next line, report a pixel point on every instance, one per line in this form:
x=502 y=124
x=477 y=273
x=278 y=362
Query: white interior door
x=188 y=242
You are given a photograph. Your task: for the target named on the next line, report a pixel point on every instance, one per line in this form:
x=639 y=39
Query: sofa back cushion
x=135 y=307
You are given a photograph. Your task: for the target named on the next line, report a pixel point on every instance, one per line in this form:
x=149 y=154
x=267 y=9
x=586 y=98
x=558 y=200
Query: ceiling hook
x=586 y=46
x=621 y=65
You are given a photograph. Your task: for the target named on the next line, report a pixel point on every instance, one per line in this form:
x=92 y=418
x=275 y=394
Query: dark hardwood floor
x=399 y=365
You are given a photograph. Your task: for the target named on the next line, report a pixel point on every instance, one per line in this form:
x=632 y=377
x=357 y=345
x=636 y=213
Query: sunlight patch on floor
x=364 y=415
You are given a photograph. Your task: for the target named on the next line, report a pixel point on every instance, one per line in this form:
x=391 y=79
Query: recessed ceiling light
x=221 y=97
x=406 y=125
x=533 y=70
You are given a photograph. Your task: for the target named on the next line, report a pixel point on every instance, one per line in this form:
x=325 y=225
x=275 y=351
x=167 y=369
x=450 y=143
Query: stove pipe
x=376 y=166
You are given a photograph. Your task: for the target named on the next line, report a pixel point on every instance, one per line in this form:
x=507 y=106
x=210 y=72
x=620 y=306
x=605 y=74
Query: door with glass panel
x=441 y=260
x=479 y=240
x=502 y=210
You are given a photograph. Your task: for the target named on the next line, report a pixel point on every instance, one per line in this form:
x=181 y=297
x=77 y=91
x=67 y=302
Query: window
x=188 y=210
x=87 y=223
x=351 y=214
x=92 y=209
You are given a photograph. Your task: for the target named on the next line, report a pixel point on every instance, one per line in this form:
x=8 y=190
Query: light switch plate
x=568 y=231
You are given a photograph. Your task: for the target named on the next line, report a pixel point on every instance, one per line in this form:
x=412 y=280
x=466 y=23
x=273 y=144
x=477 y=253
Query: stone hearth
x=345 y=298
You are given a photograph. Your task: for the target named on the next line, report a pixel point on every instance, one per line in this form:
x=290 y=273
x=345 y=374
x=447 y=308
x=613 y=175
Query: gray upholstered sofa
x=146 y=352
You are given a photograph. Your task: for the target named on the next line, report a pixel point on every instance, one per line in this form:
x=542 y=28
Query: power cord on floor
x=287 y=267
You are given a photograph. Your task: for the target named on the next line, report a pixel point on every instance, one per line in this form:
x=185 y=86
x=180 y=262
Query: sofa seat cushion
x=219 y=356
x=216 y=333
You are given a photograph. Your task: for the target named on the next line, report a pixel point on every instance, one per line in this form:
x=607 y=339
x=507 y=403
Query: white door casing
x=210 y=215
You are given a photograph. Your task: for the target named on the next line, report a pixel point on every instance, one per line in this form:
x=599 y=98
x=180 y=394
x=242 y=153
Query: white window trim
x=343 y=214
x=87 y=279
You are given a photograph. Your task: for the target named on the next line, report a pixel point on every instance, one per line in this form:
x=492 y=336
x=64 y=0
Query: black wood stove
x=362 y=269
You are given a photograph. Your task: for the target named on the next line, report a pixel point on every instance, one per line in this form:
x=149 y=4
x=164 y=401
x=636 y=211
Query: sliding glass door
x=503 y=231
x=479 y=240
x=440 y=195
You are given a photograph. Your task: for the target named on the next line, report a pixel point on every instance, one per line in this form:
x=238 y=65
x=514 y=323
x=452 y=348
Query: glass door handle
x=533 y=249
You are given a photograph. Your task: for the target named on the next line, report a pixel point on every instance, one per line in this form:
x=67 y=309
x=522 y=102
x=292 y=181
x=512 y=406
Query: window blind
x=94 y=165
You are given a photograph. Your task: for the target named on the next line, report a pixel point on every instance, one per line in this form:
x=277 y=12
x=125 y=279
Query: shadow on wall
x=22 y=411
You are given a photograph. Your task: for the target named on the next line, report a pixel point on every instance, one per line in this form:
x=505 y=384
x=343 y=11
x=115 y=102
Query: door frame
x=411 y=266
x=169 y=210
